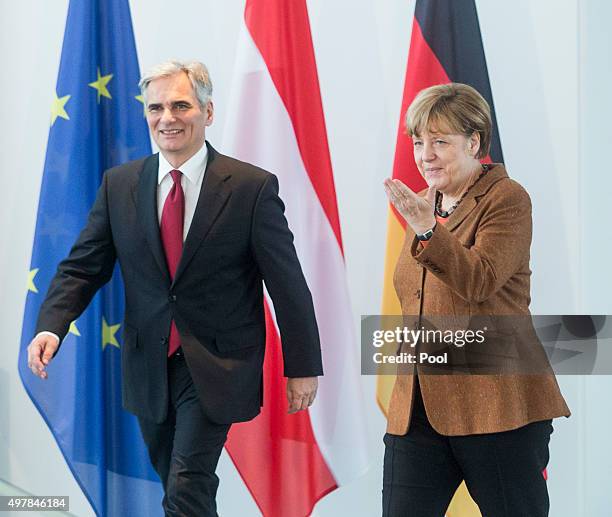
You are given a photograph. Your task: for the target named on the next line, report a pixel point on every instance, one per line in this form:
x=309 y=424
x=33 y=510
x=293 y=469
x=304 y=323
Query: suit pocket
x=249 y=336
x=130 y=336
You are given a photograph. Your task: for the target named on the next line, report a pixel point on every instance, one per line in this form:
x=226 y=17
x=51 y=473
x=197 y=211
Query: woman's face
x=445 y=160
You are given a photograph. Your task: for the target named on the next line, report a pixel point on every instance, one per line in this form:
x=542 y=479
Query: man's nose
x=167 y=115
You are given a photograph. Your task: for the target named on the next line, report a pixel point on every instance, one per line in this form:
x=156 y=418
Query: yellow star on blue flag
x=108 y=334
x=140 y=98
x=58 y=108
x=100 y=85
x=31 y=284
x=74 y=330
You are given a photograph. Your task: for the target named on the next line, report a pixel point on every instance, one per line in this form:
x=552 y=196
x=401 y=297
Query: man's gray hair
x=196 y=72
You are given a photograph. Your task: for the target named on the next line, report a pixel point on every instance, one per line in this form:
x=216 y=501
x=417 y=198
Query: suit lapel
x=214 y=194
x=469 y=203
x=147 y=212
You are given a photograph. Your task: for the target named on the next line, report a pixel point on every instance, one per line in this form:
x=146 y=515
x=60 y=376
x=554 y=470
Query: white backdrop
x=550 y=71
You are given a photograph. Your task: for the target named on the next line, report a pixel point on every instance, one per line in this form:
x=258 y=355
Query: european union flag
x=97 y=122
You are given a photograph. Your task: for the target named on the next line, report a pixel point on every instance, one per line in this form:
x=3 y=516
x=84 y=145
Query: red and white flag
x=275 y=120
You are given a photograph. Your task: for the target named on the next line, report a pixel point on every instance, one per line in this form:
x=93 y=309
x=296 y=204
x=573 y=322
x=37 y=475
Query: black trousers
x=185 y=448
x=502 y=471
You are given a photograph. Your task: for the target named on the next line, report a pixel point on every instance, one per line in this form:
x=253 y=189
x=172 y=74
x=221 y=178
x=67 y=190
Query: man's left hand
x=301 y=392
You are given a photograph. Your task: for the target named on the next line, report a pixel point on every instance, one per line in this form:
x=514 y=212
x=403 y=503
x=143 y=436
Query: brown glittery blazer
x=477 y=263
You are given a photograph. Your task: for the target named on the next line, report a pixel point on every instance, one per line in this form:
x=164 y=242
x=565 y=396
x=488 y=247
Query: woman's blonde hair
x=451 y=108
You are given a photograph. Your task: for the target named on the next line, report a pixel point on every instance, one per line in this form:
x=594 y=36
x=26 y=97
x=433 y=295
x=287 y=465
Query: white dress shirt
x=191 y=181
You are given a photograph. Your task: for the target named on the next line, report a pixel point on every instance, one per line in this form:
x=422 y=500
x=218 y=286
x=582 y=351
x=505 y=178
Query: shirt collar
x=192 y=168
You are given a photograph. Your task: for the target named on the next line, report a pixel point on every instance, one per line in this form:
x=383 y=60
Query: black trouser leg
x=420 y=474
x=185 y=449
x=503 y=471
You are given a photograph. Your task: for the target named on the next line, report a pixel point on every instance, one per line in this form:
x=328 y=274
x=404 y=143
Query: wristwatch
x=427 y=235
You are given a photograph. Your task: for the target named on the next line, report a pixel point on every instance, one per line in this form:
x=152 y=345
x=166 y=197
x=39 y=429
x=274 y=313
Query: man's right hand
x=40 y=353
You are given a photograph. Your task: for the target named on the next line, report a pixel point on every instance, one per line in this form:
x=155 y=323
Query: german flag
x=446 y=46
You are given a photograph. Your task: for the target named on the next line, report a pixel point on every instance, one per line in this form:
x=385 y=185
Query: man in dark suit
x=195 y=233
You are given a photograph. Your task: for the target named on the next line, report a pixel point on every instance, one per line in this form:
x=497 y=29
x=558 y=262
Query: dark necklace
x=445 y=213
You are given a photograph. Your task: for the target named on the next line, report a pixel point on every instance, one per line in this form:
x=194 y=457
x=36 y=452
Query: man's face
x=176 y=120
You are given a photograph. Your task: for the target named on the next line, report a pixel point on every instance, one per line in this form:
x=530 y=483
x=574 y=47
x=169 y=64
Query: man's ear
x=210 y=110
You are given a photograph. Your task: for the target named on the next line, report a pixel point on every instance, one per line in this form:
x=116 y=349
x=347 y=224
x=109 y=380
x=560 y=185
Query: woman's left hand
x=416 y=210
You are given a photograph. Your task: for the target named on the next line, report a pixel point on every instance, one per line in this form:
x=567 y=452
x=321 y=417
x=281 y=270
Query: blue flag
x=97 y=122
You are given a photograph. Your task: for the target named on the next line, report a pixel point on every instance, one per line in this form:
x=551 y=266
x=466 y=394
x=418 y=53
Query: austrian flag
x=289 y=462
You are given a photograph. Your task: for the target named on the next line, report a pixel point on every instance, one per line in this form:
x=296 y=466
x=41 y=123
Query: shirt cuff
x=47 y=333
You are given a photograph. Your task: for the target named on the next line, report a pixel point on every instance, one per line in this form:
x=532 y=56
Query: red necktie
x=173 y=216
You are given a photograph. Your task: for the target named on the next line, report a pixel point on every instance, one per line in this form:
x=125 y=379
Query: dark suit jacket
x=477 y=264
x=238 y=237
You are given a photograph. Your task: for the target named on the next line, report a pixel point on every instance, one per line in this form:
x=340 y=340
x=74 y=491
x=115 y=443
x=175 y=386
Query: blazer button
x=172 y=298
x=417 y=293
x=164 y=340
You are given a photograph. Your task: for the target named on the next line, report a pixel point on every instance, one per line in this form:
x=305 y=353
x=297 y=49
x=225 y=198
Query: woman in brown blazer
x=466 y=254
